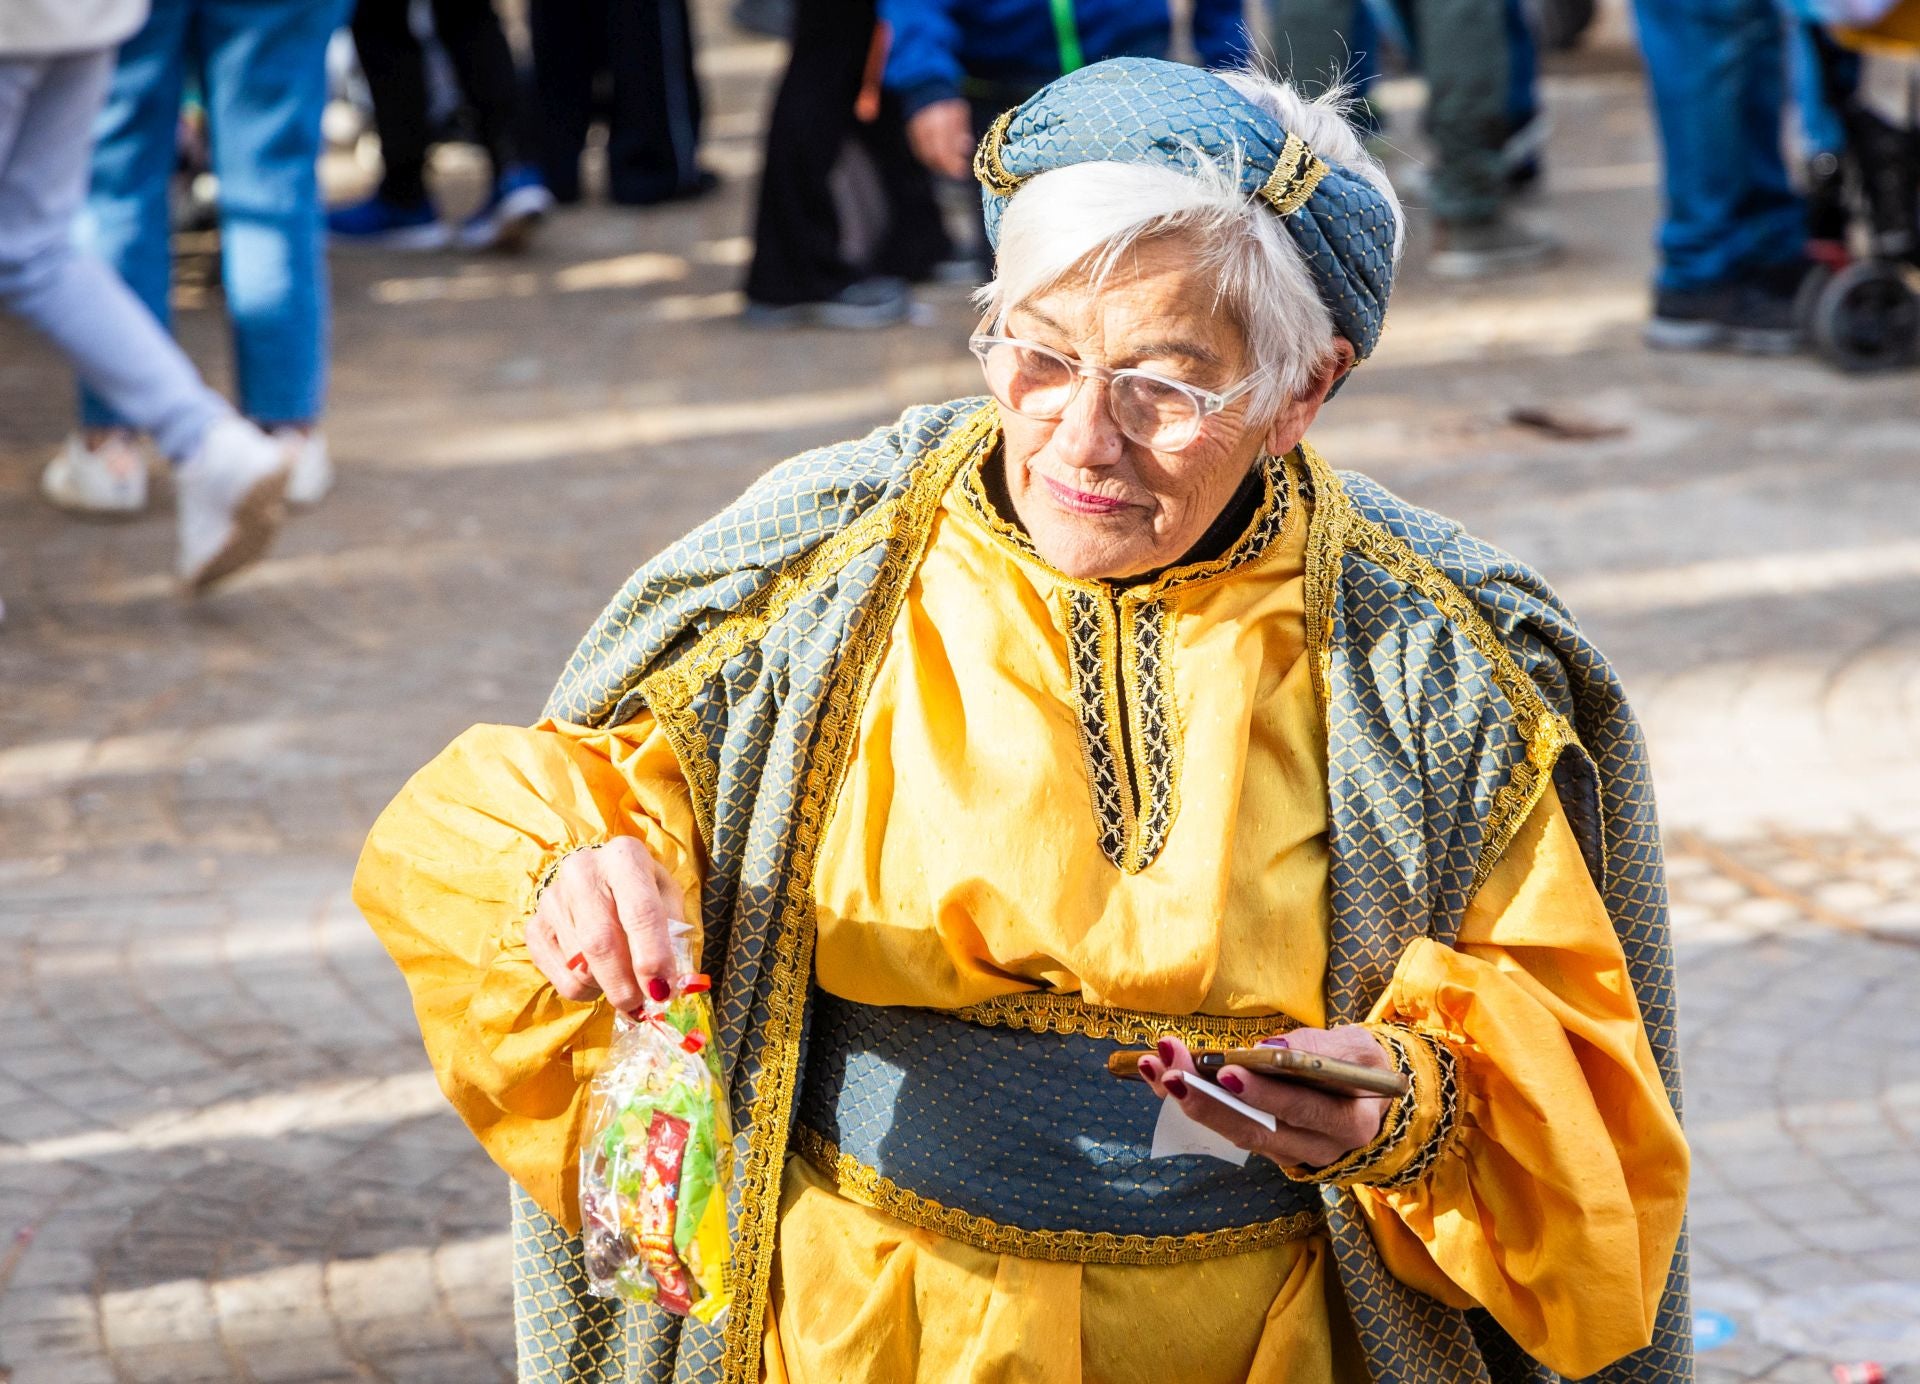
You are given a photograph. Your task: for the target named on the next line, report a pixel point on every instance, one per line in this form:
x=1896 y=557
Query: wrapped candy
x=656 y=1161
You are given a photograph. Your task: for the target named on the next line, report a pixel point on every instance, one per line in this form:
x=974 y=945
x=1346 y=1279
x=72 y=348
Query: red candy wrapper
x=659 y=1206
x=656 y=1162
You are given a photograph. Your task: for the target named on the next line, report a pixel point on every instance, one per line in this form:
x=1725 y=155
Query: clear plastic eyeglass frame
x=1138 y=401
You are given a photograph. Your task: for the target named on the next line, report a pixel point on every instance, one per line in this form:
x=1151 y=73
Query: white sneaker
x=108 y=479
x=312 y=475
x=229 y=499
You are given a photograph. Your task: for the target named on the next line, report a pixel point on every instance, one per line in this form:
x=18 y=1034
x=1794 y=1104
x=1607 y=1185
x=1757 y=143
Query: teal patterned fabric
x=562 y=1333
x=1422 y=739
x=762 y=709
x=880 y=1084
x=1147 y=110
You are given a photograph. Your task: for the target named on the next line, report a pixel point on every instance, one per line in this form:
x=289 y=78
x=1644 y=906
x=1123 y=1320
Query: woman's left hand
x=1315 y=1127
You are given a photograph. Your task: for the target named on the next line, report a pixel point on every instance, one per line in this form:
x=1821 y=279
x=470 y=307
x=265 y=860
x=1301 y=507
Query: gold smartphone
x=1287 y=1064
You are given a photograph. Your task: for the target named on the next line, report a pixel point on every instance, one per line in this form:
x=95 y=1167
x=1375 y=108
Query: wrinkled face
x=1095 y=503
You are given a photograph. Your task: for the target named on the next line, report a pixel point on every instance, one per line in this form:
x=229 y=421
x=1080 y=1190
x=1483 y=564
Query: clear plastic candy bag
x=657 y=1161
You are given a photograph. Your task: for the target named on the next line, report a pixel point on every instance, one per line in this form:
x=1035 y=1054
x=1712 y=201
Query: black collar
x=1226 y=528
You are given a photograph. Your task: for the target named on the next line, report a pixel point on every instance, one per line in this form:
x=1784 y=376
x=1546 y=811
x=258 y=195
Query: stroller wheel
x=1806 y=300
x=1866 y=318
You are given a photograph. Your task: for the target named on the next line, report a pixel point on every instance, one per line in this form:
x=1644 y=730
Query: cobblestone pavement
x=221 y=1154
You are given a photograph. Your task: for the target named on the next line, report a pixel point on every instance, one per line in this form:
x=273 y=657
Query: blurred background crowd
x=1791 y=168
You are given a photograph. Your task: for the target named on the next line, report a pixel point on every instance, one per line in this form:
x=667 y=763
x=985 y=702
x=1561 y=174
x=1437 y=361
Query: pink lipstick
x=1080 y=501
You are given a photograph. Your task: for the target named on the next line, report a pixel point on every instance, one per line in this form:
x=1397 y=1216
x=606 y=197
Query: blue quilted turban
x=1144 y=110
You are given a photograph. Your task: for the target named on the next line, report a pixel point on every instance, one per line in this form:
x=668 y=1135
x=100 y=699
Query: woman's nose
x=1086 y=435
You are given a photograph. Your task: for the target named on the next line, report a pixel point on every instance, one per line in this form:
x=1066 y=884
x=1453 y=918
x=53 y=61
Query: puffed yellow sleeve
x=448 y=877
x=1538 y=1171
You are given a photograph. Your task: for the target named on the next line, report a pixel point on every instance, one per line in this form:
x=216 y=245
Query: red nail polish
x=1168 y=1053
x=1273 y=1042
x=1149 y=1069
x=578 y=962
x=1232 y=1083
x=659 y=989
x=1176 y=1085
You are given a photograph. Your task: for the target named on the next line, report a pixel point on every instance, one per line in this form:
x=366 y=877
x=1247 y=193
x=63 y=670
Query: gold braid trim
x=1252 y=546
x=909 y=523
x=669 y=692
x=1445 y=1134
x=1339 y=529
x=973 y=495
x=1089 y=645
x=1296 y=173
x=1326 y=547
x=1155 y=726
x=858 y=1182
x=1107 y=723
x=1057 y=1012
x=677 y=721
x=1548 y=737
x=987 y=167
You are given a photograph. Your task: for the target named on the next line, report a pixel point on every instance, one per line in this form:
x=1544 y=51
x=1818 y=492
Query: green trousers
x=1463 y=52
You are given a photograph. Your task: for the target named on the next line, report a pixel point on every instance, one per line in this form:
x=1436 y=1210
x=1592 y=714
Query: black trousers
x=645 y=48
x=797 y=256
x=396 y=74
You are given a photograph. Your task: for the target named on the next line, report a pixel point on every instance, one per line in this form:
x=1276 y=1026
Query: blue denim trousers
x=1717 y=70
x=261 y=68
x=47 y=110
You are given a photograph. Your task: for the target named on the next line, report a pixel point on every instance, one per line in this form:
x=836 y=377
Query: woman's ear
x=1293 y=421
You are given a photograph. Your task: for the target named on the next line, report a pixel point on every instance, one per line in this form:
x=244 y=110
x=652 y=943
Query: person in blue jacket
x=957 y=64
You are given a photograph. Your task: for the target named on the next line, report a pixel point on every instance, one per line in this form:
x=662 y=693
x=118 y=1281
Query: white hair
x=1080 y=220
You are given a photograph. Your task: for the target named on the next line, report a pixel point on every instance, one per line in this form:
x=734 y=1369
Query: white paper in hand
x=1176 y=1133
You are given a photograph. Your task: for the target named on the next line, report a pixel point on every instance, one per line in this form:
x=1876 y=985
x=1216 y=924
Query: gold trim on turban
x=1296 y=173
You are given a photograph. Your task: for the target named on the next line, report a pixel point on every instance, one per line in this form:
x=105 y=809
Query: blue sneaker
x=388 y=225
x=520 y=202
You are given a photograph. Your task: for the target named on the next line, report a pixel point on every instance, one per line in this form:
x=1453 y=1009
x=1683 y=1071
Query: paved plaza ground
x=222 y=1156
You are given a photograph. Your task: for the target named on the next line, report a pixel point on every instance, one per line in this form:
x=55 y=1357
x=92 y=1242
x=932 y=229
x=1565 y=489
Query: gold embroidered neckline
x=1120 y=644
x=1275 y=514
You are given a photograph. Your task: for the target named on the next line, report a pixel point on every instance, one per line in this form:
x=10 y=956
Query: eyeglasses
x=1156 y=412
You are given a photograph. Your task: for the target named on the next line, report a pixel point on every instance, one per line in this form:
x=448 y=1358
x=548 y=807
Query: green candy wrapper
x=657 y=1159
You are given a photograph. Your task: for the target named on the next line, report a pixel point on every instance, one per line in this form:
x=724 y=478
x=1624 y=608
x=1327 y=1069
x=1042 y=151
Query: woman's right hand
x=601 y=927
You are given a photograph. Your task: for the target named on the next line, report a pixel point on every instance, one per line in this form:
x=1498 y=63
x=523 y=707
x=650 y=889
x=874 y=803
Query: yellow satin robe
x=962 y=862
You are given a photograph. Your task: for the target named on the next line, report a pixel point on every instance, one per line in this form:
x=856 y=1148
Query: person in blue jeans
x=56 y=59
x=261 y=71
x=1732 y=239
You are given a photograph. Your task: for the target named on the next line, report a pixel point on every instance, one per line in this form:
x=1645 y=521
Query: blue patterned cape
x=1456 y=687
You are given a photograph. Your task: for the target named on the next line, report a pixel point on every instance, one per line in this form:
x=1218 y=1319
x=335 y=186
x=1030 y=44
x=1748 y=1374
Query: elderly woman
x=1099 y=713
